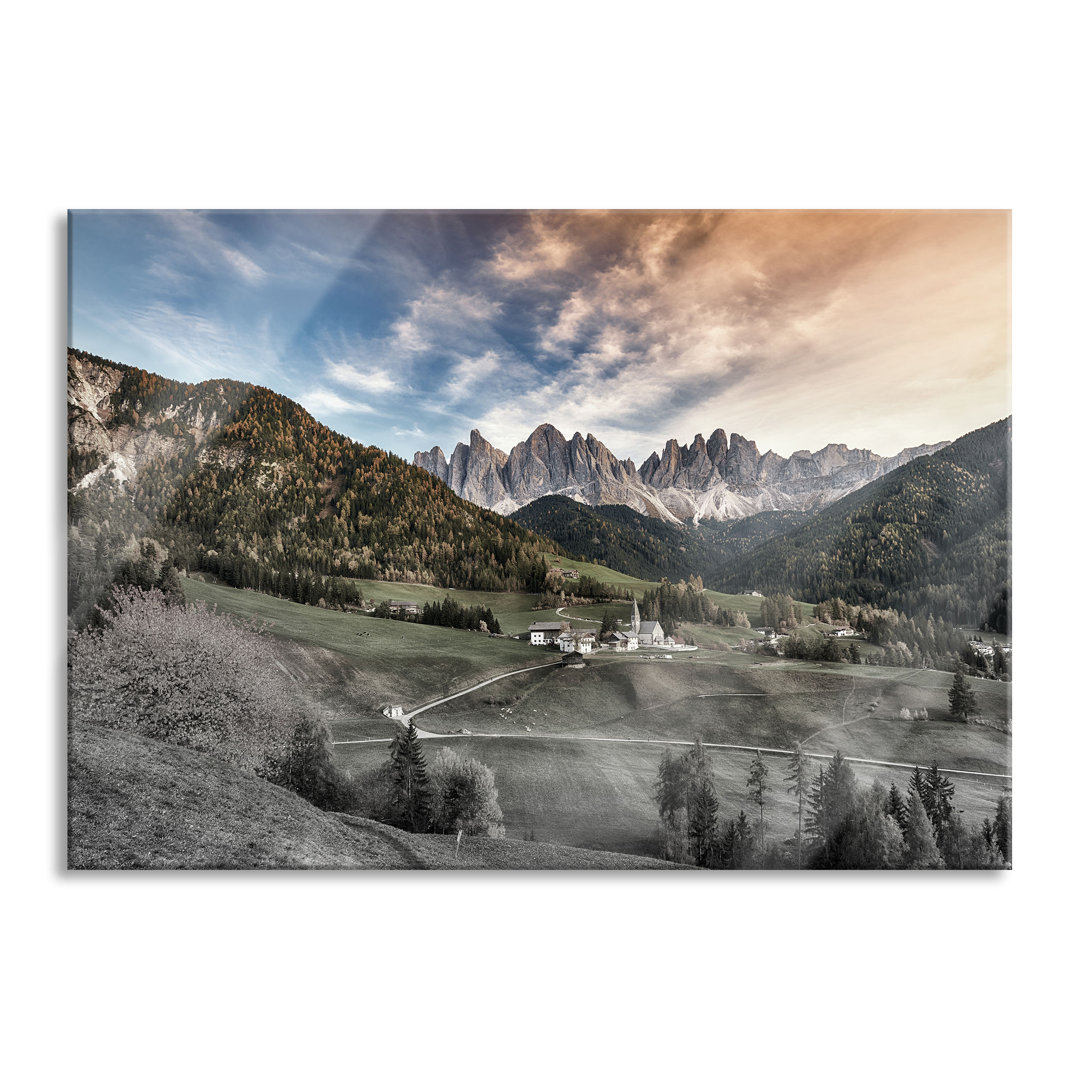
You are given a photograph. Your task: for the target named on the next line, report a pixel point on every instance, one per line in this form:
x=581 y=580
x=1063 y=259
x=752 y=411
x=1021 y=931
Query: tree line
x=447 y=612
x=839 y=824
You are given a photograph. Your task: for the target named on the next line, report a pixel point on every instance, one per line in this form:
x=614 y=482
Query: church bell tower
x=635 y=619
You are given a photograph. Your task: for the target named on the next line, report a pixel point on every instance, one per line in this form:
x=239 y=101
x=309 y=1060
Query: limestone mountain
x=716 y=478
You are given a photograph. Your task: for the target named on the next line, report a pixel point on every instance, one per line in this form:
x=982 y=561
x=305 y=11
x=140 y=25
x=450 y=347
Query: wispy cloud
x=198 y=238
x=323 y=402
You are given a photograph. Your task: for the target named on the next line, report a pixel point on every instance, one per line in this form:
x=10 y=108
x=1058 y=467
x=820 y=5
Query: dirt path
x=406 y=717
x=653 y=742
x=580 y=618
x=844 y=722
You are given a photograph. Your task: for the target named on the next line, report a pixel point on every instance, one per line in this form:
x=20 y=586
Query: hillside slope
x=242 y=482
x=134 y=803
x=930 y=538
x=647 y=547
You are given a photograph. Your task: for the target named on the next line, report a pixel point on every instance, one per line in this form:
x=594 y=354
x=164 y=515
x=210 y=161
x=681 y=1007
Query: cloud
x=472 y=371
x=371 y=381
x=793 y=329
x=198 y=238
x=323 y=402
x=199 y=345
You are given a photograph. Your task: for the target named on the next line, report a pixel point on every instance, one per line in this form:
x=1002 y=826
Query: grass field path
x=649 y=742
x=579 y=618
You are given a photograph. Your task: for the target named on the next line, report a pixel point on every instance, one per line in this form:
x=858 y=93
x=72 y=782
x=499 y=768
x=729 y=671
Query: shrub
x=464 y=797
x=187 y=676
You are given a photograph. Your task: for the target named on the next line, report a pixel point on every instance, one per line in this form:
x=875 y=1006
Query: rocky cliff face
x=118 y=433
x=716 y=477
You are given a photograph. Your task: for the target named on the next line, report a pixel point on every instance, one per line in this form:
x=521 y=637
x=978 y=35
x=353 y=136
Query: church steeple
x=635 y=618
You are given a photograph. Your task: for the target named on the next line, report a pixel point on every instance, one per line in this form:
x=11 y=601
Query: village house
x=842 y=631
x=404 y=607
x=581 y=641
x=544 y=633
x=767 y=632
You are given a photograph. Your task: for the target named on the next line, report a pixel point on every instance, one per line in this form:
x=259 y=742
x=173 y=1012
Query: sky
x=405 y=330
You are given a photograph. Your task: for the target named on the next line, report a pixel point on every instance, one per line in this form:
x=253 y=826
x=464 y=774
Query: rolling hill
x=930 y=538
x=134 y=803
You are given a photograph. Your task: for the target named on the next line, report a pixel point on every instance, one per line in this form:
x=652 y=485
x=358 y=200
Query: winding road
x=406 y=717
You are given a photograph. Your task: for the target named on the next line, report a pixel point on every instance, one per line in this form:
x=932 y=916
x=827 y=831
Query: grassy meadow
x=538 y=730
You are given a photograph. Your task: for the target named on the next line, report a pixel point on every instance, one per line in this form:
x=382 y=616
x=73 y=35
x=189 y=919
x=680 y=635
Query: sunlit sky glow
x=405 y=330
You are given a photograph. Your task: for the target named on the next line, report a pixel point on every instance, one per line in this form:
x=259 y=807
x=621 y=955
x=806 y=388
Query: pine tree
x=702 y=826
x=921 y=852
x=917 y=786
x=961 y=696
x=800 y=788
x=939 y=795
x=410 y=786
x=756 y=783
x=895 y=808
x=1003 y=828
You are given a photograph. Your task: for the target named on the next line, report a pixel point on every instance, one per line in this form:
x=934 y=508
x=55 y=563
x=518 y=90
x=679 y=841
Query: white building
x=581 y=641
x=651 y=633
x=543 y=633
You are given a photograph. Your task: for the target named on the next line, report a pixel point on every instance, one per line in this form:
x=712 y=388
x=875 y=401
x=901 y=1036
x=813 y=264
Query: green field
x=556 y=784
x=357 y=663
x=599 y=795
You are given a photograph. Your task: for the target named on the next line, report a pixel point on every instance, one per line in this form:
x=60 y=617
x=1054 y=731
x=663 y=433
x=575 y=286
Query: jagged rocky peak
x=716 y=477
x=716 y=447
x=741 y=461
x=434 y=461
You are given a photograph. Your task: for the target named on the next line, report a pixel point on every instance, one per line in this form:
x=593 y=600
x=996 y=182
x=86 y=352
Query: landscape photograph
x=539 y=539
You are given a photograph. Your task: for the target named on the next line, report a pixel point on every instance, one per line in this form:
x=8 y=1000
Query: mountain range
x=710 y=479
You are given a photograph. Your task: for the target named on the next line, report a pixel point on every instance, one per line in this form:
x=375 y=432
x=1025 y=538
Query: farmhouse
x=544 y=633
x=581 y=641
x=393 y=712
x=767 y=632
x=842 y=631
x=749 y=592
x=404 y=607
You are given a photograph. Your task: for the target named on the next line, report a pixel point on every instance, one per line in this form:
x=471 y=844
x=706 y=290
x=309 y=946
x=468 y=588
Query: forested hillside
x=930 y=538
x=647 y=547
x=242 y=482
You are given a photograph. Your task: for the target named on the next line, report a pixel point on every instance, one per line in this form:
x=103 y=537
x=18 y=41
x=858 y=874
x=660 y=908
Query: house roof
x=545 y=626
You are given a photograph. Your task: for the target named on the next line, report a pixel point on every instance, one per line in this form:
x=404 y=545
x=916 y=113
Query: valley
x=541 y=731
x=232 y=496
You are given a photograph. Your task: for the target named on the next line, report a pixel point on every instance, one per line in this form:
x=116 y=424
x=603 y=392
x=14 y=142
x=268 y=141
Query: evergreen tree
x=920 y=850
x=1003 y=828
x=703 y=829
x=917 y=786
x=939 y=795
x=409 y=782
x=895 y=808
x=961 y=696
x=756 y=783
x=800 y=788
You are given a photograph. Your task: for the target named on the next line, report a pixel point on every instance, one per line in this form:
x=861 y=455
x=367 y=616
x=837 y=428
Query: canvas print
x=673 y=540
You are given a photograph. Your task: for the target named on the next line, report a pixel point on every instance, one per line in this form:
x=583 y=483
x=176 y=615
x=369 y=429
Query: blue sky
x=407 y=329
